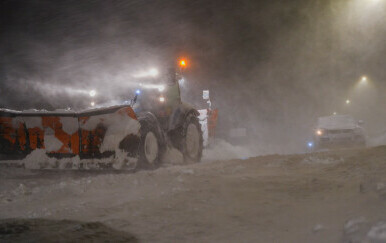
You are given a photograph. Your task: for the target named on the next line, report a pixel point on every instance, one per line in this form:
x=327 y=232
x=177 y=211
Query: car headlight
x=319 y=132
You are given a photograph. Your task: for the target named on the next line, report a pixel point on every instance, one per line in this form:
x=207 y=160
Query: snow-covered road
x=322 y=197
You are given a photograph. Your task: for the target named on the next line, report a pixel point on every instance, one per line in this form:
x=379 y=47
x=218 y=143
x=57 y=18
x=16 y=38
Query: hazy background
x=272 y=67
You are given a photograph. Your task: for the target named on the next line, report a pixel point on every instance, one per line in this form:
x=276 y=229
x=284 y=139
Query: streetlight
x=364 y=80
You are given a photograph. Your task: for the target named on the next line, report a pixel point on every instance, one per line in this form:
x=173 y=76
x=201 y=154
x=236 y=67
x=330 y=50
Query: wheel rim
x=192 y=141
x=151 y=147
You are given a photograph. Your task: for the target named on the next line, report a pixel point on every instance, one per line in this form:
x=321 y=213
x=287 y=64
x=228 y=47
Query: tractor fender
x=152 y=119
x=179 y=115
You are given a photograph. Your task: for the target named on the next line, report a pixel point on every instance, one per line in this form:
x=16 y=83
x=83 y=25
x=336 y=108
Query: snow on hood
x=337 y=122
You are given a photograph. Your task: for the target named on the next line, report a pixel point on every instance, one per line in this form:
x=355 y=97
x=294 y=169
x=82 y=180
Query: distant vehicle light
x=319 y=132
x=162 y=99
x=138 y=91
x=310 y=144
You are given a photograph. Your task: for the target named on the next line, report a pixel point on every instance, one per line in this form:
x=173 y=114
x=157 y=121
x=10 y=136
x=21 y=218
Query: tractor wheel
x=149 y=148
x=191 y=139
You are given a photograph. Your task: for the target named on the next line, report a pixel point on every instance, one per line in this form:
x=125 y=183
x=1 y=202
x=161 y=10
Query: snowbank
x=222 y=150
x=377 y=233
x=172 y=156
x=315 y=159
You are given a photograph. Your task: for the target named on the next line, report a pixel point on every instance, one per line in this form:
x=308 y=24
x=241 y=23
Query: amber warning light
x=182 y=63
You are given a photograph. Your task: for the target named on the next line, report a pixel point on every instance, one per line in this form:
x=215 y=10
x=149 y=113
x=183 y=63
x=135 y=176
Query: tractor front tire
x=150 y=149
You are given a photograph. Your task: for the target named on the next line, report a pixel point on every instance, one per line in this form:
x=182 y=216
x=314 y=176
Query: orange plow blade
x=87 y=135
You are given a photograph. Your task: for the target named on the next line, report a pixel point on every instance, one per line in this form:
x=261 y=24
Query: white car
x=339 y=131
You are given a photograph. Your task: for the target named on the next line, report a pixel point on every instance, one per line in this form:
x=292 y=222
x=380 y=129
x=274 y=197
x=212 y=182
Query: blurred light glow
x=319 y=132
x=92 y=103
x=162 y=99
x=334 y=113
x=92 y=93
x=138 y=91
x=181 y=81
x=183 y=63
x=363 y=81
x=153 y=72
x=310 y=144
x=160 y=87
x=348 y=101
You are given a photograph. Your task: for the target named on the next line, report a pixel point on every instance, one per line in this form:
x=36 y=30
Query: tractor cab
x=161 y=96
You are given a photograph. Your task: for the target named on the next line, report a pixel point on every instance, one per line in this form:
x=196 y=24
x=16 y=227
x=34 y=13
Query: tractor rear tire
x=191 y=139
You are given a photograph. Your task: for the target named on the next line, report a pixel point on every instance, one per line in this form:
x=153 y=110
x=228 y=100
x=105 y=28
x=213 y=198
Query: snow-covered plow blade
x=46 y=138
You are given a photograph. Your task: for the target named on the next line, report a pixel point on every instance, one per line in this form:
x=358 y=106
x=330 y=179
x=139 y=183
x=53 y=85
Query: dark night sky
x=275 y=58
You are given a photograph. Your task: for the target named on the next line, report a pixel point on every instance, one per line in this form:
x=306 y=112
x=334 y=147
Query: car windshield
x=336 y=122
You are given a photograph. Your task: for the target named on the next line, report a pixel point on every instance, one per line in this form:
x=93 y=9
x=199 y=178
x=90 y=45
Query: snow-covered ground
x=379 y=139
x=335 y=196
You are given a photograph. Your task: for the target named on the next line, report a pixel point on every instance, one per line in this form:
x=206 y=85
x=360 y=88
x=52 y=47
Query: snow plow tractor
x=134 y=136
